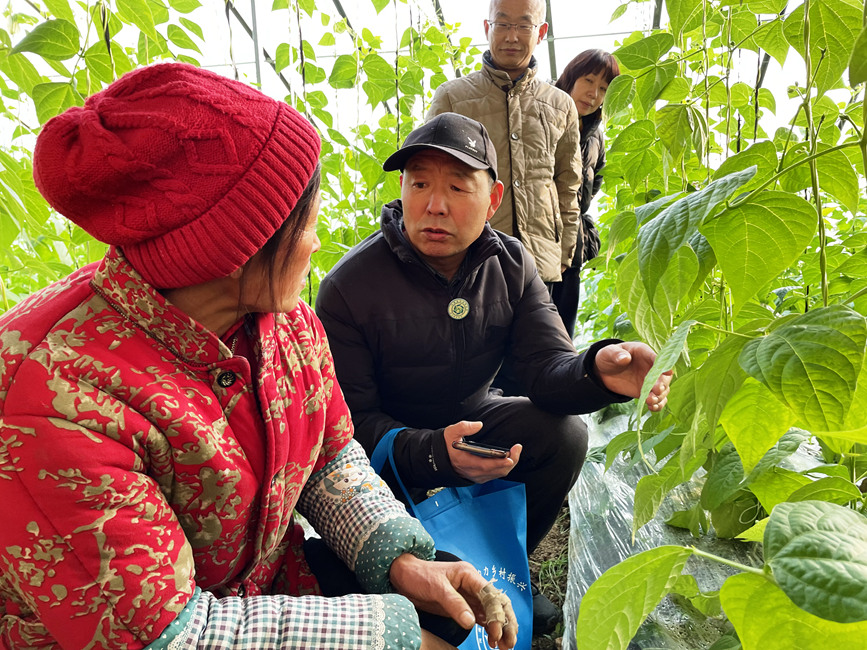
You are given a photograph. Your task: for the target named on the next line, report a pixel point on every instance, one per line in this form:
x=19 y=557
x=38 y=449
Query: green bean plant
x=741 y=255
x=734 y=242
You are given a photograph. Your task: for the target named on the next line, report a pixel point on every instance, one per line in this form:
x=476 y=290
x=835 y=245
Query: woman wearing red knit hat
x=164 y=412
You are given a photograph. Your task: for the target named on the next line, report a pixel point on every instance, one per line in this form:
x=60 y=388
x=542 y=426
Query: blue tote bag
x=484 y=524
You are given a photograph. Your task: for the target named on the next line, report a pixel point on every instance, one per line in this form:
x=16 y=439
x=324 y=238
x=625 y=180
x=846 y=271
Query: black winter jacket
x=593 y=160
x=401 y=360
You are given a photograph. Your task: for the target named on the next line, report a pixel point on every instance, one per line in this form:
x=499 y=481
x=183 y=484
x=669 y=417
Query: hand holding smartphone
x=480 y=449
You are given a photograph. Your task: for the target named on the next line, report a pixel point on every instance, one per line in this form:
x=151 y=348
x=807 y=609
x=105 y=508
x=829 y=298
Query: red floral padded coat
x=127 y=471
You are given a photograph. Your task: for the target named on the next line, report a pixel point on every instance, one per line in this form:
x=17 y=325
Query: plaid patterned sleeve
x=384 y=622
x=358 y=517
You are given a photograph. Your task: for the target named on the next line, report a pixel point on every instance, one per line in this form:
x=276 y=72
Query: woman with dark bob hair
x=164 y=412
x=586 y=79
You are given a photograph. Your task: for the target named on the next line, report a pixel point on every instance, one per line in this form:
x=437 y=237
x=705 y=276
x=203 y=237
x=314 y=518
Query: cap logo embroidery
x=471 y=144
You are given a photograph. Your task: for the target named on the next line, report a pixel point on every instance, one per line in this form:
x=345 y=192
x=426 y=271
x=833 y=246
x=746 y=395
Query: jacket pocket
x=555 y=212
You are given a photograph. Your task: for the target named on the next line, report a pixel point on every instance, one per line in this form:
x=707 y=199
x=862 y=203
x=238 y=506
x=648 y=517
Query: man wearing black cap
x=421 y=315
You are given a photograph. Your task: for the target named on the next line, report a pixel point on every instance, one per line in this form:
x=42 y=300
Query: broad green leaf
x=836 y=175
x=649 y=86
x=639 y=165
x=98 y=62
x=193 y=27
x=812 y=363
x=646 y=52
x=756 y=532
x=776 y=485
x=742 y=24
x=679 y=126
x=694 y=520
x=621 y=90
x=735 y=515
x=705 y=602
x=639 y=135
x=772 y=40
x=723 y=479
x=180 y=38
x=282 y=57
x=621 y=229
x=53 y=39
x=757 y=240
x=20 y=71
x=858 y=60
x=666 y=357
x=719 y=377
x=379 y=5
x=327 y=40
x=834 y=26
x=378 y=69
x=676 y=91
x=652 y=489
x=758 y=6
x=659 y=239
x=621 y=598
x=765 y=619
x=53 y=98
x=698 y=436
x=60 y=9
x=818 y=554
x=159 y=11
x=338 y=138
x=683 y=15
x=344 y=74
x=313 y=74
x=754 y=420
x=633 y=296
x=788 y=445
x=831 y=489
x=762 y=155
x=139 y=13
x=185 y=6
x=411 y=81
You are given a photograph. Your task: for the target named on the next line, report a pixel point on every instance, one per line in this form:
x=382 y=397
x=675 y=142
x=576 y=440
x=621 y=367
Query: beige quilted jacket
x=534 y=128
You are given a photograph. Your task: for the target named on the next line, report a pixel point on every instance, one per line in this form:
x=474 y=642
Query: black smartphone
x=480 y=449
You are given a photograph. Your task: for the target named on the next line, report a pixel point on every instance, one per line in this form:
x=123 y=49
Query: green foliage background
x=739 y=253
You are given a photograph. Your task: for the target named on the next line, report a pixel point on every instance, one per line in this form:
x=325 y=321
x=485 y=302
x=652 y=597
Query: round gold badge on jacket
x=459 y=308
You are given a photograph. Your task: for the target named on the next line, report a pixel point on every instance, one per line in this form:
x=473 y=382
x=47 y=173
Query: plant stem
x=814 y=170
x=724 y=331
x=732 y=563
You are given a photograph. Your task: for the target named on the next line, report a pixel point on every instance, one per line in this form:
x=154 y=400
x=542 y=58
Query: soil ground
x=549 y=570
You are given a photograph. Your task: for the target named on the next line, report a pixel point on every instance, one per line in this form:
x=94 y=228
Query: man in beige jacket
x=534 y=128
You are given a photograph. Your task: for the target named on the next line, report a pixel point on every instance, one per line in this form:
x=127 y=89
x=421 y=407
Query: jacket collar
x=590 y=123
x=145 y=308
x=502 y=79
x=487 y=245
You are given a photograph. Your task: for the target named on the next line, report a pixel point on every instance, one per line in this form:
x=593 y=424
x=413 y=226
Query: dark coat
x=402 y=360
x=593 y=159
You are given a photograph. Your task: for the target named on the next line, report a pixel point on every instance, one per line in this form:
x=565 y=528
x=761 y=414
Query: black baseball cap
x=457 y=135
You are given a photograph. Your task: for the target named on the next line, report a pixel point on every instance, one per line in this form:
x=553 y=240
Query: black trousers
x=554 y=448
x=565 y=295
x=335 y=579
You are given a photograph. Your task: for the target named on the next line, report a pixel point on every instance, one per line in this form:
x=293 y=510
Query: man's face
x=512 y=46
x=445 y=206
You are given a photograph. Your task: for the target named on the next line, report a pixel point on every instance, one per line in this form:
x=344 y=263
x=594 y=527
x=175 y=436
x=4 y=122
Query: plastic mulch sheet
x=600 y=506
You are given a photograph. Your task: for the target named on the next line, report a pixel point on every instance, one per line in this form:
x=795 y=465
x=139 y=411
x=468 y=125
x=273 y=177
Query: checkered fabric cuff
x=384 y=622
x=358 y=517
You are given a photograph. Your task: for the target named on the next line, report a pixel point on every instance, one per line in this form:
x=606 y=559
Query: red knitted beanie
x=187 y=171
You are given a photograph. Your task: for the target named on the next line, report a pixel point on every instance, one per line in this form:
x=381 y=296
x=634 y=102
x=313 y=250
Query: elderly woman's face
x=288 y=284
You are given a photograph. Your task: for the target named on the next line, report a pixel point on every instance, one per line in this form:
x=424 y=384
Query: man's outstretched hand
x=622 y=367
